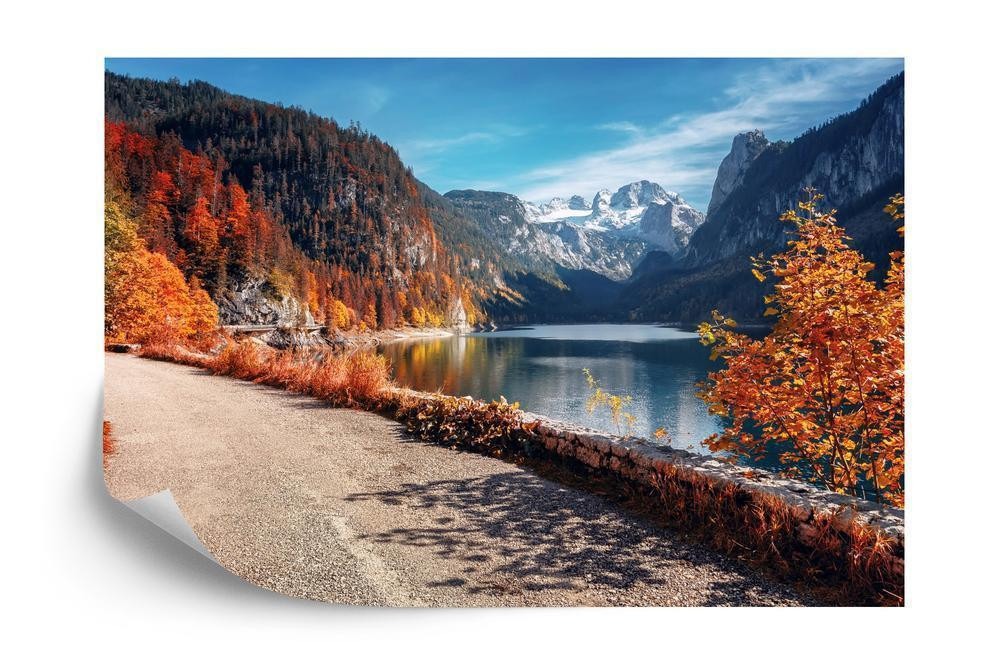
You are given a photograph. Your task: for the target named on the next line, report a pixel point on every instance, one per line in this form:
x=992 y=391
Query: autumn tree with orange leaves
x=824 y=389
x=146 y=296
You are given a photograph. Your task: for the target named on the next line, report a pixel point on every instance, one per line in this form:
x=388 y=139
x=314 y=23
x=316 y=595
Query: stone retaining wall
x=640 y=460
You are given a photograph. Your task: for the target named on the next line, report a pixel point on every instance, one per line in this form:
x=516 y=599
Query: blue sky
x=540 y=128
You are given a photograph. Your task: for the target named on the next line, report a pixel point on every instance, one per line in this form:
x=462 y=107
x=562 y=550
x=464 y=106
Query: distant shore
x=383 y=336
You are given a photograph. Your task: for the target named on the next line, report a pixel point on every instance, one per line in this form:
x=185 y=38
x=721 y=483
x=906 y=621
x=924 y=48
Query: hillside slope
x=357 y=229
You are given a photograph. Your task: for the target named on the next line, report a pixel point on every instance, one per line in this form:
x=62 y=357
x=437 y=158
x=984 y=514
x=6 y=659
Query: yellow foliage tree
x=417 y=316
x=338 y=315
x=146 y=296
x=615 y=404
x=371 y=317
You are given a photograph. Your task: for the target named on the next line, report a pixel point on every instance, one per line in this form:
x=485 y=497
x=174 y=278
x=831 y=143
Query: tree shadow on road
x=524 y=532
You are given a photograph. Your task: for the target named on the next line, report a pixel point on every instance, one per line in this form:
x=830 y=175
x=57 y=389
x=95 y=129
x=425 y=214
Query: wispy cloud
x=425 y=155
x=683 y=152
x=490 y=135
x=620 y=126
x=440 y=144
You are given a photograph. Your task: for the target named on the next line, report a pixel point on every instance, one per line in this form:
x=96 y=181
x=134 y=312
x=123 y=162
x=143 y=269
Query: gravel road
x=343 y=506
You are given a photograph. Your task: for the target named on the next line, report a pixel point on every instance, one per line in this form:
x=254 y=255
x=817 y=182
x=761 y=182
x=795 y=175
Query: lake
x=541 y=367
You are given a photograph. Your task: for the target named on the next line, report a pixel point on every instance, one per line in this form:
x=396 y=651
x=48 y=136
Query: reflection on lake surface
x=542 y=368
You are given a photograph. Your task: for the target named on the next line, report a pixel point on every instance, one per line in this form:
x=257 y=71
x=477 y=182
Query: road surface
x=343 y=506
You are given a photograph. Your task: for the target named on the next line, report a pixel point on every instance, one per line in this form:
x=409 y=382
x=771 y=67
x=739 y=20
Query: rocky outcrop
x=293 y=339
x=602 y=201
x=746 y=147
x=256 y=302
x=458 y=319
x=668 y=226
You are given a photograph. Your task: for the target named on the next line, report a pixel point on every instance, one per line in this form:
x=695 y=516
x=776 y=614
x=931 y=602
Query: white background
x=83 y=577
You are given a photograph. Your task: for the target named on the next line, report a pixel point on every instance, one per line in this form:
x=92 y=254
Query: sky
x=541 y=128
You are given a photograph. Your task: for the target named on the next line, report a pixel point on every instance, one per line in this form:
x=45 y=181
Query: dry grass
x=173 y=352
x=356 y=379
x=243 y=360
x=109 y=443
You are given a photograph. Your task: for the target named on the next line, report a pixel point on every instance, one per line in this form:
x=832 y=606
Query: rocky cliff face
x=458 y=319
x=855 y=161
x=256 y=302
x=746 y=147
x=640 y=193
x=846 y=160
x=668 y=226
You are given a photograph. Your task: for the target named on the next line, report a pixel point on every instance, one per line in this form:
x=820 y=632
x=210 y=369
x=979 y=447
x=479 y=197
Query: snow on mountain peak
x=574 y=203
x=640 y=193
x=602 y=200
x=642 y=212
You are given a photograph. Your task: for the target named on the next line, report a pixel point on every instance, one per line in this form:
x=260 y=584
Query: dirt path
x=343 y=506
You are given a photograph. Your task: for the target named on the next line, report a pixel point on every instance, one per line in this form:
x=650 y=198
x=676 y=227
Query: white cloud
x=438 y=145
x=492 y=134
x=682 y=153
x=620 y=126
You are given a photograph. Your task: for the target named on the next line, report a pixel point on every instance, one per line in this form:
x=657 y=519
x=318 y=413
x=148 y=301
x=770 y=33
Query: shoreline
x=359 y=339
x=281 y=338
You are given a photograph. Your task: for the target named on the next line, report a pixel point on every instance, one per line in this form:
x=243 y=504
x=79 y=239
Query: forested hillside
x=258 y=201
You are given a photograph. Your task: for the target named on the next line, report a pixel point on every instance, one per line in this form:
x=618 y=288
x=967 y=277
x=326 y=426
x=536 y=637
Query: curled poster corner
x=161 y=509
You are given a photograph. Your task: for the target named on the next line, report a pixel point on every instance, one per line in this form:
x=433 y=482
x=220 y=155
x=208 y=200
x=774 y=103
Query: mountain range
x=357 y=227
x=607 y=236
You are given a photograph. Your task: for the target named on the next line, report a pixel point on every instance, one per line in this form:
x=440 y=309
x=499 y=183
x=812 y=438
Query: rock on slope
x=746 y=147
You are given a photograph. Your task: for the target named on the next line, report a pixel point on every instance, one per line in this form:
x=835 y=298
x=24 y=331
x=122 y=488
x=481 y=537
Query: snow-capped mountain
x=623 y=211
x=608 y=236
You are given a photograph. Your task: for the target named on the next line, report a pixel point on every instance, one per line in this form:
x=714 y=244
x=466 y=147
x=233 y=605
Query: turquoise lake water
x=541 y=367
